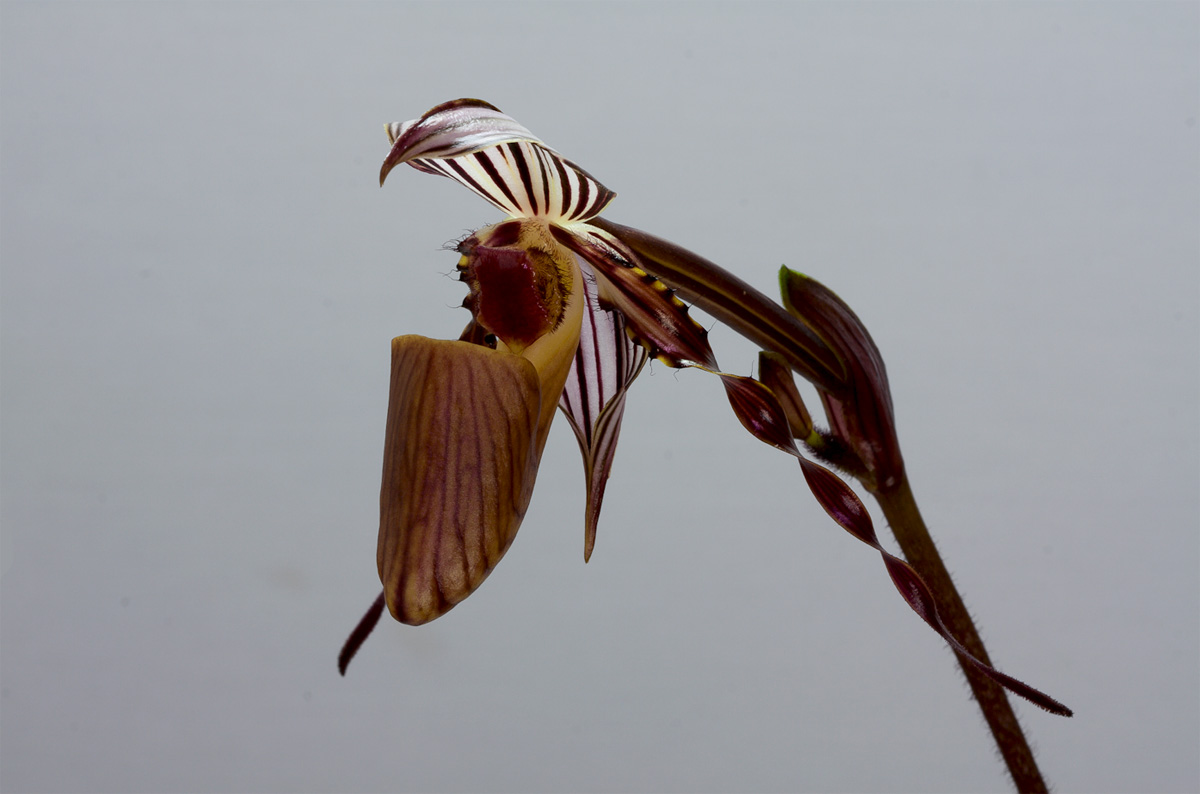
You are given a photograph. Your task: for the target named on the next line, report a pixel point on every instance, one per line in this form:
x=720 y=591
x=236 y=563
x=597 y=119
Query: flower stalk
x=908 y=527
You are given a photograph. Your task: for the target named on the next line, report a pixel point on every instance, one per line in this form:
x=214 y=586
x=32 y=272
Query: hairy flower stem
x=918 y=547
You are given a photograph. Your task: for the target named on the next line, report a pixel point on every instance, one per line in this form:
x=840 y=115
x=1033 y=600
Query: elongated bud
x=860 y=415
x=776 y=375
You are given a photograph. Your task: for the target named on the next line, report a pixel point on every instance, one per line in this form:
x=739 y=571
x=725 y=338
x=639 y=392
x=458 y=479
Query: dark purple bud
x=860 y=416
x=776 y=375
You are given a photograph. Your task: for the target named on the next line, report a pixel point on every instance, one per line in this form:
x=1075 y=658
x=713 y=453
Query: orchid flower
x=566 y=308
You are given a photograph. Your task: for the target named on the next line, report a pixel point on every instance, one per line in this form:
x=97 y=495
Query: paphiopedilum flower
x=566 y=308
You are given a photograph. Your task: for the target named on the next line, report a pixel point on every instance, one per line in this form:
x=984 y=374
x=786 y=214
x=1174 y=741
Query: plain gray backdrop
x=201 y=277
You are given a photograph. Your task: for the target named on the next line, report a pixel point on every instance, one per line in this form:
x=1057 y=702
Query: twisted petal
x=460 y=459
x=761 y=413
x=593 y=399
x=476 y=145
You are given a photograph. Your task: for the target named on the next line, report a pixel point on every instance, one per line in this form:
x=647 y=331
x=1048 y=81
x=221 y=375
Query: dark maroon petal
x=732 y=301
x=847 y=510
x=759 y=411
x=655 y=317
x=919 y=597
x=841 y=503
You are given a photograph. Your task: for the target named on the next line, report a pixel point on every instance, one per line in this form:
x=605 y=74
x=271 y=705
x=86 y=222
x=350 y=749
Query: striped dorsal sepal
x=476 y=145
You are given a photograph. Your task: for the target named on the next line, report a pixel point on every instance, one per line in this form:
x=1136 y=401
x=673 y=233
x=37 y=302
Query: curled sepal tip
x=451 y=129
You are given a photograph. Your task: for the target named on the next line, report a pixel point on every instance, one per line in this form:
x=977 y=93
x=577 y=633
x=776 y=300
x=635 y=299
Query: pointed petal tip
x=589 y=528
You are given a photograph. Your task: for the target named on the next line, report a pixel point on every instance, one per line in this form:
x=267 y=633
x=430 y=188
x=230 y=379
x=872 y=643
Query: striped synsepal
x=654 y=317
x=476 y=145
x=593 y=399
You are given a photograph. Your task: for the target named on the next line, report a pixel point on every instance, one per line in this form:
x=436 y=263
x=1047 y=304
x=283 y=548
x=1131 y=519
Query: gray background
x=201 y=278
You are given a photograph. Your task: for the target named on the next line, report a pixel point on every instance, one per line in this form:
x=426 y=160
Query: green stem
x=918 y=547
